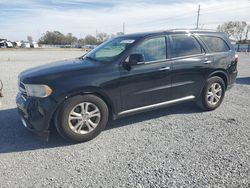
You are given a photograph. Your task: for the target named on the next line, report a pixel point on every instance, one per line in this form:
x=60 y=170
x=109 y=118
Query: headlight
x=34 y=90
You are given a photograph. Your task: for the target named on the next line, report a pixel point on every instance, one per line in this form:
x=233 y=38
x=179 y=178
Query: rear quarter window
x=215 y=44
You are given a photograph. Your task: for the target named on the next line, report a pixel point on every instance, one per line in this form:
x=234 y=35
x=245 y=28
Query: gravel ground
x=178 y=146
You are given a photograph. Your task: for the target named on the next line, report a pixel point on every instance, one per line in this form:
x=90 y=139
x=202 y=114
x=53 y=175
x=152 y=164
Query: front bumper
x=36 y=113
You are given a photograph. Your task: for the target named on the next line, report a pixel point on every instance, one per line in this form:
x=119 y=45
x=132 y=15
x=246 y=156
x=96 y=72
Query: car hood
x=57 y=68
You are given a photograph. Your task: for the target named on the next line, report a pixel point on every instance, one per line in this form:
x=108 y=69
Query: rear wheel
x=81 y=118
x=212 y=94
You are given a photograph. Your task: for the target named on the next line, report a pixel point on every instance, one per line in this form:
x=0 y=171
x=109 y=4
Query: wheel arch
x=88 y=90
x=222 y=74
x=201 y=101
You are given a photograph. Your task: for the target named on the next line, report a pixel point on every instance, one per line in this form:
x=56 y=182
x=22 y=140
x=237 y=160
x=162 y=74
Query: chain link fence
x=242 y=47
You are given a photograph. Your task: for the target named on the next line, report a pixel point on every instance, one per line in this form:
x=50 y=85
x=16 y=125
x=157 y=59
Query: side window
x=215 y=44
x=184 y=45
x=153 y=49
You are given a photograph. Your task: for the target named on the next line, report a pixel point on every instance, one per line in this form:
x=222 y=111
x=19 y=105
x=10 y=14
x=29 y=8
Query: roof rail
x=193 y=30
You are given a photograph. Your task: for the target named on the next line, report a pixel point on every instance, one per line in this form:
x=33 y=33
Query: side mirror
x=136 y=59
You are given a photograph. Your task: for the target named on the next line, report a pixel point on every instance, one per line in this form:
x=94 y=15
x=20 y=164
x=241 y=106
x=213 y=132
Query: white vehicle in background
x=2 y=44
x=34 y=45
x=17 y=44
x=88 y=48
x=9 y=44
x=25 y=45
x=5 y=44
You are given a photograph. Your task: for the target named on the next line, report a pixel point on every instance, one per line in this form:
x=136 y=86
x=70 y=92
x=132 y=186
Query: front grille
x=21 y=88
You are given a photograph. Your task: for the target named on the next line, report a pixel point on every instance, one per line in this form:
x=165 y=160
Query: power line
x=224 y=9
x=216 y=22
x=170 y=18
x=153 y=22
x=187 y=14
x=176 y=17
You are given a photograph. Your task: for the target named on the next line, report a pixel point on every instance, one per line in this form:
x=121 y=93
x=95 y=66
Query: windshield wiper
x=91 y=58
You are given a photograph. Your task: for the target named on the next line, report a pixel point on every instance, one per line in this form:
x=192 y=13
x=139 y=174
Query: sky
x=20 y=18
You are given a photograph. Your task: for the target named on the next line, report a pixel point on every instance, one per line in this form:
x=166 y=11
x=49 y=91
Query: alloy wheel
x=84 y=118
x=214 y=94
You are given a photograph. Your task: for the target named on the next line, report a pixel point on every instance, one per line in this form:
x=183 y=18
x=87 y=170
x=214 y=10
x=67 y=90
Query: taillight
x=236 y=58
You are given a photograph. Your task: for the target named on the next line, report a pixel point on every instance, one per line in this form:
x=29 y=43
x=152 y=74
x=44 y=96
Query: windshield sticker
x=127 y=41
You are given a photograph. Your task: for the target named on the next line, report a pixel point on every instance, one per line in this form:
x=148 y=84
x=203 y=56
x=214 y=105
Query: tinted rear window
x=215 y=44
x=184 y=45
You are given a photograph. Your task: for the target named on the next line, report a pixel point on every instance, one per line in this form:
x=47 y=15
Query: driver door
x=147 y=82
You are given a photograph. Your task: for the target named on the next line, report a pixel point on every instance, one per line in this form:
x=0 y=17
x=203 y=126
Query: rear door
x=190 y=65
x=150 y=82
x=223 y=54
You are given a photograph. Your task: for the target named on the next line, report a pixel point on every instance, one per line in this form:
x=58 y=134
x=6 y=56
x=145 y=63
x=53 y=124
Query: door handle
x=207 y=61
x=164 y=68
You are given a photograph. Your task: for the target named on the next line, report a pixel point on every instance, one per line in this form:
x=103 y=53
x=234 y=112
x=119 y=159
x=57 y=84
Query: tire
x=75 y=126
x=210 y=103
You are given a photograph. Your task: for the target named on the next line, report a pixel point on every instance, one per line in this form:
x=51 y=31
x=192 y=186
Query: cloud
x=81 y=17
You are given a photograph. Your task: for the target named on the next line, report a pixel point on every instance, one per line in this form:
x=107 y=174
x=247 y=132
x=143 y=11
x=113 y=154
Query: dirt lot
x=178 y=146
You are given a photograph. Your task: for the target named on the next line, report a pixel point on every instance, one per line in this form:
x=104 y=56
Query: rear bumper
x=36 y=113
x=232 y=79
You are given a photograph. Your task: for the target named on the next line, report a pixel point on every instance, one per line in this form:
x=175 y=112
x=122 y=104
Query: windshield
x=111 y=50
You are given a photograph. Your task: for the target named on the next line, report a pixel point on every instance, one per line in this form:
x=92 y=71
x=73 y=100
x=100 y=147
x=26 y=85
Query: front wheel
x=212 y=94
x=81 y=118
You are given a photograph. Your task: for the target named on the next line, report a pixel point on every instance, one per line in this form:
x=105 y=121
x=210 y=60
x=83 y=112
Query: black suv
x=126 y=75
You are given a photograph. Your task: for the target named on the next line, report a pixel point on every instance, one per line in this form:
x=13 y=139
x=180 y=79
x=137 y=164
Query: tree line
x=237 y=30
x=58 y=38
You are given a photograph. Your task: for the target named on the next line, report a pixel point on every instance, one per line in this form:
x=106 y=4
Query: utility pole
x=198 y=17
x=123 y=28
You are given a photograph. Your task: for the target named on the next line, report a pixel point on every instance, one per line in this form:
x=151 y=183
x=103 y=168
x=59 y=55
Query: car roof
x=172 y=31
